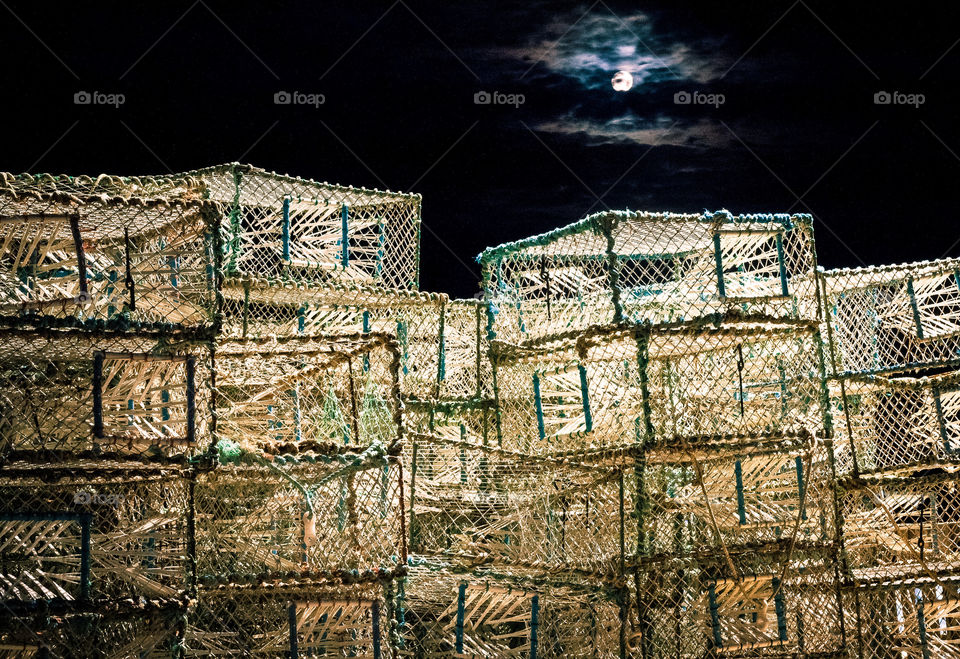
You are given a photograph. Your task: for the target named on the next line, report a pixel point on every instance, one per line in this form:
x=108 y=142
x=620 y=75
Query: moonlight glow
x=622 y=81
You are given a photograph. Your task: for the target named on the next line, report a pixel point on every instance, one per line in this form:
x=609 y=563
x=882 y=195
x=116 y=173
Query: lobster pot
x=316 y=393
x=264 y=309
x=752 y=492
x=131 y=394
x=884 y=520
x=656 y=267
x=776 y=605
x=301 y=230
x=612 y=387
x=446 y=613
x=97 y=261
x=466 y=371
x=301 y=618
x=80 y=531
x=471 y=503
x=896 y=425
x=918 y=618
x=113 y=631
x=305 y=513
x=469 y=420
x=891 y=318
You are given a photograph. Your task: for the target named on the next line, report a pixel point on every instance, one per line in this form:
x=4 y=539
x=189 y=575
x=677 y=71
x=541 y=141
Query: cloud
x=629 y=128
x=590 y=47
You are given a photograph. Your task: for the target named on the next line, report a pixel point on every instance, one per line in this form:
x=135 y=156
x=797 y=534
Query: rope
x=706 y=498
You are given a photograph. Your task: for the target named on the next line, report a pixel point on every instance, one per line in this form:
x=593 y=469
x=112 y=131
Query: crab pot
x=322 y=393
x=116 y=262
x=738 y=494
x=92 y=530
x=895 y=526
x=301 y=618
x=472 y=503
x=124 y=629
x=301 y=513
x=774 y=605
x=891 y=318
x=650 y=267
x=916 y=617
x=138 y=395
x=612 y=387
x=306 y=231
x=448 y=613
x=896 y=425
x=259 y=309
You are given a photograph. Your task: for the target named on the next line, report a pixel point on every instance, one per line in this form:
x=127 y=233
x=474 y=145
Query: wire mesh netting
x=897 y=425
x=460 y=420
x=76 y=391
x=303 y=618
x=897 y=529
x=128 y=629
x=462 y=614
x=748 y=605
x=316 y=392
x=92 y=530
x=658 y=267
x=704 y=499
x=264 y=309
x=466 y=369
x=283 y=226
x=889 y=318
x=914 y=618
x=98 y=261
x=304 y=513
x=613 y=386
x=481 y=505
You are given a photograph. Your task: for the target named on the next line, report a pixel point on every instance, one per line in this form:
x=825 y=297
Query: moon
x=622 y=81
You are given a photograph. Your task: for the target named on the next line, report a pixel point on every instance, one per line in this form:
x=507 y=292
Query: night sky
x=798 y=128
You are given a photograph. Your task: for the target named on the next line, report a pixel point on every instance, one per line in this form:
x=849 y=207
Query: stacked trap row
x=200 y=445
x=655 y=450
x=893 y=390
x=622 y=266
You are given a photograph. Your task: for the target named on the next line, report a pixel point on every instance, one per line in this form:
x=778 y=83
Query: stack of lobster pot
x=895 y=398
x=658 y=480
x=202 y=421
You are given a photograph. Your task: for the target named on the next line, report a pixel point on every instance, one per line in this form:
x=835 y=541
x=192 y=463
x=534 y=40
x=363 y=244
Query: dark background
x=799 y=129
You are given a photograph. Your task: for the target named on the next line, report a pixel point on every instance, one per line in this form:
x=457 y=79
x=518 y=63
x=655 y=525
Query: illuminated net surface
x=299 y=618
x=280 y=394
x=265 y=309
x=76 y=391
x=897 y=425
x=890 y=318
x=107 y=261
x=481 y=505
x=479 y=614
x=299 y=514
x=658 y=267
x=602 y=387
x=302 y=230
x=92 y=530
